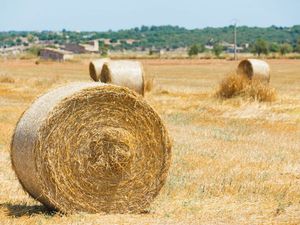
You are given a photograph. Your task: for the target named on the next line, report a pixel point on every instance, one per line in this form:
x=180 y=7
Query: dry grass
x=260 y=92
x=7 y=79
x=149 y=84
x=234 y=162
x=238 y=85
x=232 y=85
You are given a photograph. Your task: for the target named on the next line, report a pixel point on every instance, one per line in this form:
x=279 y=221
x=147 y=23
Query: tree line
x=261 y=40
x=259 y=47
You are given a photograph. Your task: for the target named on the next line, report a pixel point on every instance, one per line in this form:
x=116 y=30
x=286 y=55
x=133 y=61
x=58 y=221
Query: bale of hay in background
x=124 y=73
x=255 y=69
x=95 y=68
x=91 y=147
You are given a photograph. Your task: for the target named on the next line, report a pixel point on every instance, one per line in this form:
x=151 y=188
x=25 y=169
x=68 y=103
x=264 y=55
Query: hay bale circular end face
x=124 y=73
x=254 y=69
x=91 y=147
x=95 y=68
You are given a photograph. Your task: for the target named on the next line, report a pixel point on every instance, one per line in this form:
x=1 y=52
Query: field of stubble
x=234 y=162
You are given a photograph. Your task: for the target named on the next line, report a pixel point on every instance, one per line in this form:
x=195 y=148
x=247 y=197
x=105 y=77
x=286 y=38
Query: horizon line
x=117 y=30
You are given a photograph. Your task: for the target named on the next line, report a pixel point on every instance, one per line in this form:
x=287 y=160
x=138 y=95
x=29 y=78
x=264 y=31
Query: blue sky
x=97 y=15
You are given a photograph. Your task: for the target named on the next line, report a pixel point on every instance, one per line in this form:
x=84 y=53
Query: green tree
x=285 y=48
x=201 y=48
x=18 y=41
x=30 y=38
x=193 y=50
x=103 y=50
x=217 y=49
x=297 y=48
x=113 y=40
x=144 y=28
x=34 y=50
x=261 y=47
x=274 y=47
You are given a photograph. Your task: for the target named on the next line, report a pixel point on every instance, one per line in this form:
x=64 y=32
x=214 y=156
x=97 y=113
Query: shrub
x=260 y=47
x=34 y=50
x=217 y=50
x=194 y=50
x=285 y=48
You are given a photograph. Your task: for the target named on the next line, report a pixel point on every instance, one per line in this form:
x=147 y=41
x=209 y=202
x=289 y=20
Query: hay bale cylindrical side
x=255 y=69
x=91 y=147
x=124 y=73
x=95 y=68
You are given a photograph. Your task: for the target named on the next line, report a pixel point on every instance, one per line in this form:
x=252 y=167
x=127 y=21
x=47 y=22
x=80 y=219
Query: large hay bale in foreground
x=124 y=73
x=255 y=69
x=95 y=68
x=91 y=147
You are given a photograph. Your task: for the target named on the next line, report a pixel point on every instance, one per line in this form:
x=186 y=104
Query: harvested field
x=234 y=161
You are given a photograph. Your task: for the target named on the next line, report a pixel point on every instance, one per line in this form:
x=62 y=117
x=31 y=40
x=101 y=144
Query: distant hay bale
x=91 y=147
x=95 y=68
x=255 y=69
x=124 y=73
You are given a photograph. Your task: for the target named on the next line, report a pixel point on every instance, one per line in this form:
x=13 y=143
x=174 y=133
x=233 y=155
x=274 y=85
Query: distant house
x=75 y=48
x=155 y=51
x=55 y=54
x=230 y=47
x=209 y=47
x=15 y=50
x=226 y=44
x=105 y=41
x=238 y=49
x=90 y=47
x=130 y=41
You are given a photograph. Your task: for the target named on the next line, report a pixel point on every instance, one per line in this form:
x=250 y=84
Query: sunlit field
x=235 y=161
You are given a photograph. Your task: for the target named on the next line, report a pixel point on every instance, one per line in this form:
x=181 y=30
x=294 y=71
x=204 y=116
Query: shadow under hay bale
x=19 y=210
x=95 y=68
x=124 y=73
x=255 y=69
x=91 y=147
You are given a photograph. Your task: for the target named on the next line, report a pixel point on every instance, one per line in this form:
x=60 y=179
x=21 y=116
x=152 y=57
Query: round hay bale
x=91 y=147
x=254 y=69
x=124 y=73
x=95 y=68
